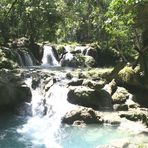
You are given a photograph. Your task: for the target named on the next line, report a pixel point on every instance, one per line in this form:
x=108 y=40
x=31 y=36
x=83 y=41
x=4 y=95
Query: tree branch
x=11 y=7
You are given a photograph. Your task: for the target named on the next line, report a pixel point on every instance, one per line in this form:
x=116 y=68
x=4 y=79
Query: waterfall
x=20 y=61
x=43 y=127
x=49 y=58
x=25 y=58
x=28 y=60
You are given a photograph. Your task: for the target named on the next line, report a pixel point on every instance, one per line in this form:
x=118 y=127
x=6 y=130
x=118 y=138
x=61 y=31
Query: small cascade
x=28 y=60
x=44 y=127
x=81 y=49
x=20 y=61
x=49 y=57
x=69 y=56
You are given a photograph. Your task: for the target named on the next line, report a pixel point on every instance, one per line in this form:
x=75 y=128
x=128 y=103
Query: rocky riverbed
x=93 y=95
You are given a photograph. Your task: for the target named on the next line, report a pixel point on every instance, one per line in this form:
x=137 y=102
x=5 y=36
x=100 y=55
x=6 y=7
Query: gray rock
x=120 y=96
x=120 y=107
x=88 y=97
x=12 y=94
x=76 y=82
x=97 y=85
x=82 y=115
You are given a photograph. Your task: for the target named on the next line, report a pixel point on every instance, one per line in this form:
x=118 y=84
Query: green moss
x=7 y=60
x=90 y=61
x=60 y=49
x=126 y=74
x=99 y=72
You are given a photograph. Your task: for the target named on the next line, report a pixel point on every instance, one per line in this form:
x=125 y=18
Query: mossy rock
x=99 y=72
x=60 y=50
x=120 y=96
x=90 y=61
x=97 y=85
x=87 y=97
x=78 y=60
x=126 y=75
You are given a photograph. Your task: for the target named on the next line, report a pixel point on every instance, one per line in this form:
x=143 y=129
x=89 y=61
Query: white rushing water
x=45 y=129
x=49 y=58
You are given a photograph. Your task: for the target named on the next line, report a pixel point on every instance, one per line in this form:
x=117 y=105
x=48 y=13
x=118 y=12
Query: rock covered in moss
x=120 y=95
x=97 y=85
x=126 y=75
x=90 y=61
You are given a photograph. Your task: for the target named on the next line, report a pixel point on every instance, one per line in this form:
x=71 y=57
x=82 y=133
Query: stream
x=38 y=124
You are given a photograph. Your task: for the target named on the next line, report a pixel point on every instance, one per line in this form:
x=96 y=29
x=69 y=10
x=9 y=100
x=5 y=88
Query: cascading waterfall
x=41 y=125
x=25 y=59
x=44 y=127
x=49 y=58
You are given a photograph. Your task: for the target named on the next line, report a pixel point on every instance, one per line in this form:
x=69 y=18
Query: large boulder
x=88 y=97
x=37 y=52
x=92 y=52
x=82 y=115
x=90 y=61
x=12 y=91
x=73 y=60
x=121 y=95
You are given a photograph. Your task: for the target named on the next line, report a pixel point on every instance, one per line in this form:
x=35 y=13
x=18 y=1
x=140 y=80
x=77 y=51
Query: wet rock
x=69 y=75
x=132 y=104
x=82 y=115
x=120 y=107
x=76 y=82
x=135 y=115
x=88 y=97
x=111 y=118
x=37 y=51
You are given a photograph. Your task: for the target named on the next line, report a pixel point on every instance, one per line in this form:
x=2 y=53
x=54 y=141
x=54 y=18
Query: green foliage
x=126 y=74
x=7 y=60
x=34 y=19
